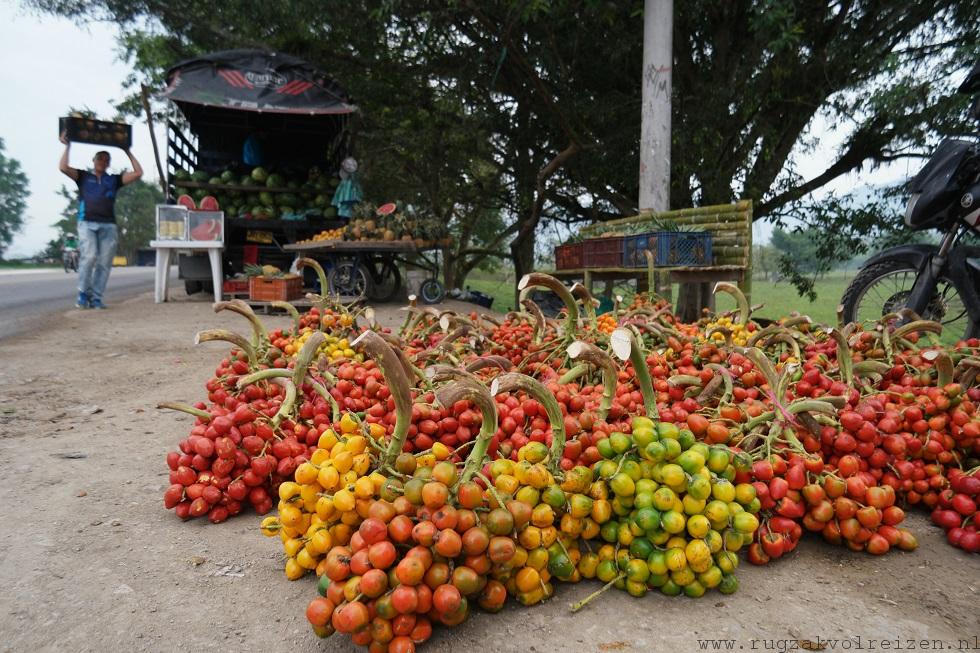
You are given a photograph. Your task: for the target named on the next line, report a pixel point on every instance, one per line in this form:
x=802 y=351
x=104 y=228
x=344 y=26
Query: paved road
x=27 y=296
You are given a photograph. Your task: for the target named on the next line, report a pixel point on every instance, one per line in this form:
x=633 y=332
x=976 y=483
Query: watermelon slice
x=187 y=202
x=207 y=230
x=387 y=209
x=209 y=203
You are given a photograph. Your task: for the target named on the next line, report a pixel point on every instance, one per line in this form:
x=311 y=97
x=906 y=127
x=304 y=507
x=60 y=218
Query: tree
x=765 y=258
x=136 y=216
x=14 y=190
x=66 y=223
x=551 y=93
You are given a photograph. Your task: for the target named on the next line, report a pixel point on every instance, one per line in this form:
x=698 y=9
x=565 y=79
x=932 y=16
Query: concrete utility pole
x=658 y=25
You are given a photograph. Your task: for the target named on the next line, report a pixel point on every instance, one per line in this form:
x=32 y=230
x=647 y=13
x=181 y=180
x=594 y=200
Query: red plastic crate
x=603 y=252
x=271 y=290
x=235 y=286
x=569 y=256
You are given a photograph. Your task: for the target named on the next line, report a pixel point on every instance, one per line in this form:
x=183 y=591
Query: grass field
x=779 y=298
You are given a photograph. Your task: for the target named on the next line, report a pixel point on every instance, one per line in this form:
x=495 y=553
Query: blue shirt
x=97 y=196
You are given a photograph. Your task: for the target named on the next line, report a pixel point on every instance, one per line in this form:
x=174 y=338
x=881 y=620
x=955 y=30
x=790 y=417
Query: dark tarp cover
x=255 y=80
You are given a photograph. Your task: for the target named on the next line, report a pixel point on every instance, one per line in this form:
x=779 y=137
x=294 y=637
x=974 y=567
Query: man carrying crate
x=97 y=233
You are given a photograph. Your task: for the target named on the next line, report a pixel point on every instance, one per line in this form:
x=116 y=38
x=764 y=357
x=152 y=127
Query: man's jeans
x=96 y=246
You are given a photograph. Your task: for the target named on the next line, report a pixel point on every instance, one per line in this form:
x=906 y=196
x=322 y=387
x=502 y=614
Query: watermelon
x=275 y=181
x=260 y=175
x=209 y=203
x=187 y=202
x=387 y=209
x=200 y=175
x=214 y=181
x=207 y=230
x=228 y=177
x=267 y=198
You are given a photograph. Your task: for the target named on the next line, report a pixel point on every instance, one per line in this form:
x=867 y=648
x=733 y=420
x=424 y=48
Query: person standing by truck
x=97 y=234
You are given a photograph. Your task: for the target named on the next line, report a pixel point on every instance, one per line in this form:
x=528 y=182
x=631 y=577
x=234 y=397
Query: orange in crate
x=271 y=290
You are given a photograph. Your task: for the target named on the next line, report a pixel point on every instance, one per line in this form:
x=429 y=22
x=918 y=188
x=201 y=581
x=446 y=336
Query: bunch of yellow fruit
x=335 y=346
x=740 y=335
x=535 y=513
x=329 y=498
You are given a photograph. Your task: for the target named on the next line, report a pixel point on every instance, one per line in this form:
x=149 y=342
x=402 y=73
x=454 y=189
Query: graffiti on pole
x=658 y=79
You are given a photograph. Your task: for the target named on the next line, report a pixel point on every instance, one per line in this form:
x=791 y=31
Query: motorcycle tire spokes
x=885 y=289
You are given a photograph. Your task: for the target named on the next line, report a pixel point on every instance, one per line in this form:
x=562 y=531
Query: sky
x=51 y=64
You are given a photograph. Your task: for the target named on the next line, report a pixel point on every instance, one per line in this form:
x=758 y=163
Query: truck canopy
x=255 y=80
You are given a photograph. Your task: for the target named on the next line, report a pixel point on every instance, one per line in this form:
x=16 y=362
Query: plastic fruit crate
x=634 y=246
x=670 y=249
x=271 y=290
x=235 y=286
x=603 y=252
x=569 y=256
x=689 y=248
x=96 y=132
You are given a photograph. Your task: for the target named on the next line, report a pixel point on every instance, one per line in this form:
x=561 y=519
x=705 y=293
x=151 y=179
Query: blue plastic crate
x=671 y=249
x=633 y=247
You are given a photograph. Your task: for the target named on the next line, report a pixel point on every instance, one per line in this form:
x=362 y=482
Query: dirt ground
x=91 y=561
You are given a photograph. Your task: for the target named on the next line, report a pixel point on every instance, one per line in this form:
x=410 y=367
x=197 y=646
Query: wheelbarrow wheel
x=386 y=281
x=349 y=279
x=431 y=291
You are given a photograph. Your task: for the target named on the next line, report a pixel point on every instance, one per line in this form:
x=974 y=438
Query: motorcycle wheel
x=883 y=288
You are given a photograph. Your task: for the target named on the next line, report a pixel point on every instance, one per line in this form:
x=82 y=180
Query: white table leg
x=162 y=274
x=217 y=276
x=166 y=274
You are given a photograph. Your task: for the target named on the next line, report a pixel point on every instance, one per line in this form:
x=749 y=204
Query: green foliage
x=765 y=259
x=14 y=190
x=135 y=216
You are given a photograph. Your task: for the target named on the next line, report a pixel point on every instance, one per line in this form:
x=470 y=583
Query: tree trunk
x=449 y=266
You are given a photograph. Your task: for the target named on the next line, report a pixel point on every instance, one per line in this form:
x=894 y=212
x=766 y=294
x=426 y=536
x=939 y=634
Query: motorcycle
x=69 y=256
x=935 y=282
